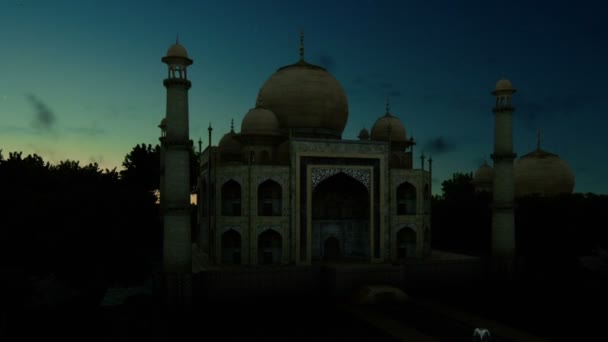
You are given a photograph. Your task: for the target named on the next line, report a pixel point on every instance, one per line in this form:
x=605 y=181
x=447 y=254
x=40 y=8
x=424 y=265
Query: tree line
x=83 y=223
x=80 y=222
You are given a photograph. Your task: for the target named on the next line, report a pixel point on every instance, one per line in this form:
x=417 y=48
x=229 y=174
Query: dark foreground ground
x=141 y=318
x=556 y=308
x=553 y=308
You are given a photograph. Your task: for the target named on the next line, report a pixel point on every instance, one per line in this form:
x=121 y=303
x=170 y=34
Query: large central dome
x=306 y=99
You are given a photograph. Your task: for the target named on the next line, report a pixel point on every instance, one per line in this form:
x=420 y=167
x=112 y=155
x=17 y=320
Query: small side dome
x=503 y=84
x=229 y=145
x=484 y=178
x=388 y=125
x=177 y=50
x=163 y=124
x=363 y=134
x=260 y=121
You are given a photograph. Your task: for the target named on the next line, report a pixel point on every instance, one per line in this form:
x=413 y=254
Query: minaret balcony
x=503 y=108
x=177 y=82
x=185 y=143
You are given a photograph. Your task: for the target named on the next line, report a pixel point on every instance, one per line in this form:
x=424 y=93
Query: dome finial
x=388 y=105
x=231 y=125
x=177 y=38
x=538 y=140
x=259 y=101
x=301 y=45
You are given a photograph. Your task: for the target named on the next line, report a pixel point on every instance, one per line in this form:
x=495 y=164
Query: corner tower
x=175 y=172
x=503 y=222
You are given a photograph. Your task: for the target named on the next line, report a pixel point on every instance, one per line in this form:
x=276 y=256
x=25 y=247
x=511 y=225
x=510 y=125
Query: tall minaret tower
x=503 y=222
x=176 y=146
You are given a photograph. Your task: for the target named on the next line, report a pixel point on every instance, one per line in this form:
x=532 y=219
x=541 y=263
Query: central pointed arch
x=331 y=248
x=341 y=215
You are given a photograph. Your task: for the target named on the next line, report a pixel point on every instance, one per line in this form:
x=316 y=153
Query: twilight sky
x=83 y=79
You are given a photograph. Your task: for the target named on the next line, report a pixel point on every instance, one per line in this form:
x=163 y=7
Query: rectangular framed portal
x=305 y=164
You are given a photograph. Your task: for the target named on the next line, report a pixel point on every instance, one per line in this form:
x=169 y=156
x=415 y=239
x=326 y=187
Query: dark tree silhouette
x=460 y=187
x=142 y=167
x=551 y=232
x=461 y=218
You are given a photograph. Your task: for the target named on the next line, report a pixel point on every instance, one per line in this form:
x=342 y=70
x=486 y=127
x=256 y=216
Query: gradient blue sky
x=83 y=79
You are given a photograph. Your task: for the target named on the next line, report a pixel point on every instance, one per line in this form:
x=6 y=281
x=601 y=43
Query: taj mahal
x=287 y=189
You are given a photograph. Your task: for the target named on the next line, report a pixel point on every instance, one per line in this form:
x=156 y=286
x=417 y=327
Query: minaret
x=503 y=223
x=177 y=248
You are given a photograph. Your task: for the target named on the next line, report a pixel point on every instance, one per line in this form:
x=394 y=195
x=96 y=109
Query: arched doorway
x=406 y=243
x=269 y=247
x=269 y=198
x=231 y=247
x=406 y=199
x=331 y=250
x=231 y=198
x=341 y=209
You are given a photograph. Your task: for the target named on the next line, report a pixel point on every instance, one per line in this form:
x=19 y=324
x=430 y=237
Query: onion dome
x=503 y=84
x=177 y=50
x=229 y=144
x=177 y=55
x=484 y=178
x=388 y=127
x=543 y=173
x=306 y=99
x=363 y=134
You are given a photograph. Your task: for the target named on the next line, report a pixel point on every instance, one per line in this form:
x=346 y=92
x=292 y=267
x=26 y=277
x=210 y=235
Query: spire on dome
x=538 y=140
x=177 y=38
x=231 y=125
x=388 y=105
x=302 y=45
